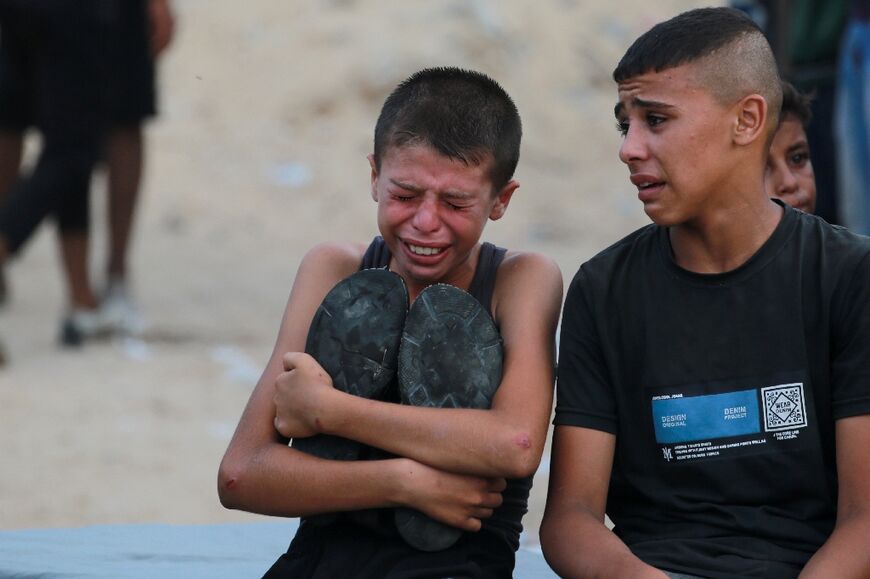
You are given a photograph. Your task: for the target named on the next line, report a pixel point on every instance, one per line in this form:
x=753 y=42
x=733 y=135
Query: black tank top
x=506 y=521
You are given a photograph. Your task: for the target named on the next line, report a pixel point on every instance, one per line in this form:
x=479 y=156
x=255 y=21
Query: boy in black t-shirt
x=714 y=384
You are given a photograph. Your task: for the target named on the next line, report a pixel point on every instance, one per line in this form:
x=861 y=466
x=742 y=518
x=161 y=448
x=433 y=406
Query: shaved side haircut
x=732 y=55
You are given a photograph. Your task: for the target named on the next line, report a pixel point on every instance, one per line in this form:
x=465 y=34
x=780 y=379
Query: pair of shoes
x=119 y=309
x=446 y=348
x=115 y=315
x=80 y=325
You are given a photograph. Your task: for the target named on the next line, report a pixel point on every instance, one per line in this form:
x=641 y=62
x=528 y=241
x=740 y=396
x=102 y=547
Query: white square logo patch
x=784 y=407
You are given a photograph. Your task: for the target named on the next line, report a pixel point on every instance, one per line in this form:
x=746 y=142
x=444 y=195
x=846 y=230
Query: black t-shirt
x=722 y=391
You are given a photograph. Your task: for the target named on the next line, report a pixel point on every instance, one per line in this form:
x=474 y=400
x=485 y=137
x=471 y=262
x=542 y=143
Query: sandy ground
x=268 y=113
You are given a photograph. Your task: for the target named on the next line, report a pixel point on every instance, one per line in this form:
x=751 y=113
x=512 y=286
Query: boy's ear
x=503 y=199
x=751 y=119
x=374 y=166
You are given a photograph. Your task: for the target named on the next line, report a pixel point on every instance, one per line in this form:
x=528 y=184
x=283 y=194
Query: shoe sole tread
x=355 y=336
x=445 y=324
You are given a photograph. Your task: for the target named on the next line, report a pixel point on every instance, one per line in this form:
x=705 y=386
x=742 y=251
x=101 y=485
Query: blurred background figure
x=53 y=77
x=144 y=29
x=789 y=174
x=82 y=74
x=805 y=36
x=852 y=125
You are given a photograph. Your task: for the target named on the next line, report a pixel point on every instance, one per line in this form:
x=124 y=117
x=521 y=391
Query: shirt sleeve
x=850 y=365
x=584 y=396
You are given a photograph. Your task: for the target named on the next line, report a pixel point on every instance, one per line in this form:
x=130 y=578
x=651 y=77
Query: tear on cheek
x=523 y=441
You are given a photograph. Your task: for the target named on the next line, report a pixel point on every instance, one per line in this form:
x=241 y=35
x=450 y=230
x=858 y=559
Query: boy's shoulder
x=518 y=265
x=333 y=259
x=527 y=277
x=835 y=240
x=638 y=247
x=526 y=260
x=338 y=251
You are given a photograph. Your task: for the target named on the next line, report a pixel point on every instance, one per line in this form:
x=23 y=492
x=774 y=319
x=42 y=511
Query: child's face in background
x=789 y=172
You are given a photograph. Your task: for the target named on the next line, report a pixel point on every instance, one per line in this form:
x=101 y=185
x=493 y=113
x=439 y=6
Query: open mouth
x=645 y=181
x=648 y=185
x=420 y=250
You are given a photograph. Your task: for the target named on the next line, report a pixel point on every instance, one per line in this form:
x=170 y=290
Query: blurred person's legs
x=68 y=45
x=16 y=106
x=133 y=101
x=58 y=185
x=124 y=159
x=853 y=127
x=11 y=145
x=83 y=318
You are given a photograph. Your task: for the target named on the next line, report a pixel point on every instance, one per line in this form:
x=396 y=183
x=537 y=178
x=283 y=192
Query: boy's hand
x=454 y=499
x=300 y=396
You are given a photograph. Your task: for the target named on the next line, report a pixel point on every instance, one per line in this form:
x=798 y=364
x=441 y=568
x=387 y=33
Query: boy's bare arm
x=505 y=441
x=575 y=541
x=260 y=473
x=846 y=553
x=274 y=479
x=161 y=23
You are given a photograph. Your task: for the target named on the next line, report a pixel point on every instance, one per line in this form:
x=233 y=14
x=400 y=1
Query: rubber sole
x=451 y=356
x=355 y=336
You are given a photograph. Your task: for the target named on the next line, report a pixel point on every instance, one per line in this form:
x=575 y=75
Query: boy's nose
x=426 y=217
x=633 y=147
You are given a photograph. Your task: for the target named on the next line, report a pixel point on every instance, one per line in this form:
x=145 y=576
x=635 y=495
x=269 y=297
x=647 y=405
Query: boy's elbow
x=523 y=457
x=524 y=466
x=545 y=538
x=551 y=533
x=229 y=483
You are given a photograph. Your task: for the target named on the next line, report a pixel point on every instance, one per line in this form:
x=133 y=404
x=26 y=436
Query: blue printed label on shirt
x=717 y=420
x=682 y=419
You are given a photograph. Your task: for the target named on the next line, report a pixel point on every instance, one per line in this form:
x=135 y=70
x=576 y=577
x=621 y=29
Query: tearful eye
x=654 y=120
x=622 y=127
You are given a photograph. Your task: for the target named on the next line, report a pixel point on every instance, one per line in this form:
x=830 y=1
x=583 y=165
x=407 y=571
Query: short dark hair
x=462 y=114
x=796 y=104
x=738 y=58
